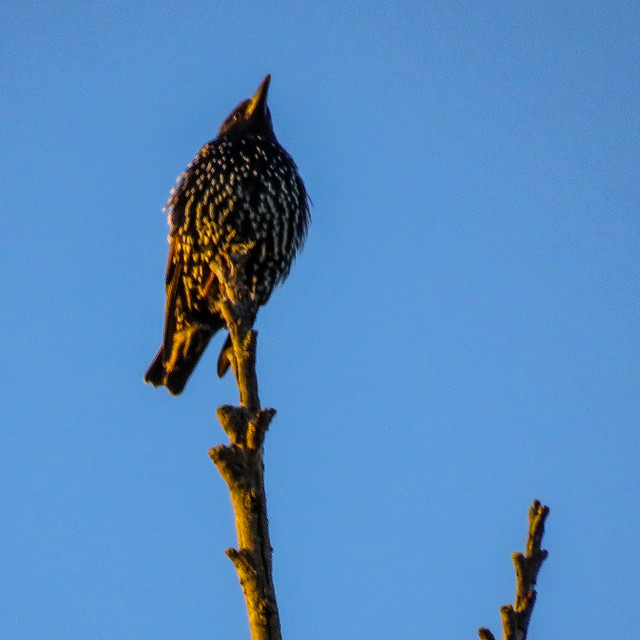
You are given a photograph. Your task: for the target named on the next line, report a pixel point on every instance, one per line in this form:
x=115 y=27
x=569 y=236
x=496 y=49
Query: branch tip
x=485 y=634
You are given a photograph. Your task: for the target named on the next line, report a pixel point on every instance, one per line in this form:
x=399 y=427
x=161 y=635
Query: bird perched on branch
x=244 y=189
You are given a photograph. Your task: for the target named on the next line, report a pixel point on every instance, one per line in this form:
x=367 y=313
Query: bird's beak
x=258 y=103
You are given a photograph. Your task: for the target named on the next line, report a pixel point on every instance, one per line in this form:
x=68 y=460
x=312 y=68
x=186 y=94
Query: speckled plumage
x=242 y=188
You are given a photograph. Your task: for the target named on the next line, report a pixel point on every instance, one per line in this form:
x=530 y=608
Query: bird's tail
x=173 y=368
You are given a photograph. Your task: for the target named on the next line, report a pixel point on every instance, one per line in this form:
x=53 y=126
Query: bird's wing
x=174 y=311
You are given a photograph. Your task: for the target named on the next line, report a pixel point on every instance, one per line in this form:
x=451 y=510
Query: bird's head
x=251 y=115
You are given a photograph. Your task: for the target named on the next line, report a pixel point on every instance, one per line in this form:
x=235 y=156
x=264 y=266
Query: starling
x=242 y=188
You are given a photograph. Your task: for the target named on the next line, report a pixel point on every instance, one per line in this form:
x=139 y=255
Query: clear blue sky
x=461 y=334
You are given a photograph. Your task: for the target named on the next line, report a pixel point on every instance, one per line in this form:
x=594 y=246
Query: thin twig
x=516 y=618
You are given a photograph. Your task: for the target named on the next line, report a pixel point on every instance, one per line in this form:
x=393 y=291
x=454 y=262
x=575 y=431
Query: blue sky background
x=460 y=336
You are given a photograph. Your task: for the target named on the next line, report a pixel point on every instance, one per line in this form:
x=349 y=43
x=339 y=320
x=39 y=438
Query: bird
x=242 y=188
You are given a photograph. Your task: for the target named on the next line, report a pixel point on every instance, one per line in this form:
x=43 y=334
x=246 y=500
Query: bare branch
x=241 y=462
x=515 y=618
